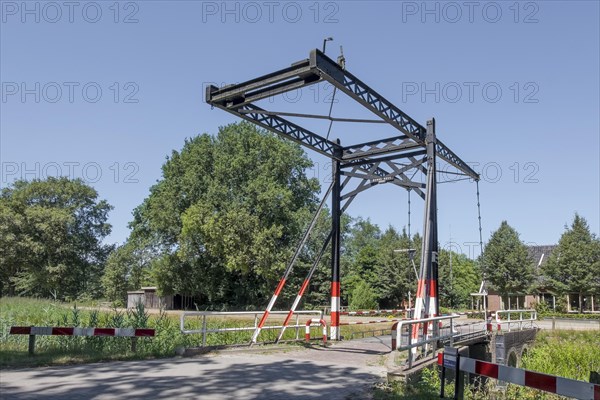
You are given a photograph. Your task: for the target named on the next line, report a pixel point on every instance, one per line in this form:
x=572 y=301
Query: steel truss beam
x=237 y=99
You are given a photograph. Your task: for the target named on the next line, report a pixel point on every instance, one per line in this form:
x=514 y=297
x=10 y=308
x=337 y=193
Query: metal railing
x=437 y=335
x=257 y=314
x=508 y=321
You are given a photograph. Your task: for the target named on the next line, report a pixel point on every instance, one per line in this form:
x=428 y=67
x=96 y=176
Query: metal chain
x=479 y=217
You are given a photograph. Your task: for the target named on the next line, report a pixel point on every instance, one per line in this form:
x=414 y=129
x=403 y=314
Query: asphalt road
x=347 y=370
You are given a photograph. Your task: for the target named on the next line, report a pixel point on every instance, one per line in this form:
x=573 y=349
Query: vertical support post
x=31 y=344
x=427 y=290
x=204 y=331
x=335 y=248
x=443 y=380
x=457 y=379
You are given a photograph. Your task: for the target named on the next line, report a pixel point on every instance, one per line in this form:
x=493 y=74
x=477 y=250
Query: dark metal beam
x=359 y=91
x=233 y=94
x=377 y=147
x=362 y=161
x=237 y=100
x=287 y=129
x=380 y=106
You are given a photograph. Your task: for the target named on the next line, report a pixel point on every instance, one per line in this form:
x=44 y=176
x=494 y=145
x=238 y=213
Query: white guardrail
x=423 y=339
x=257 y=314
x=520 y=321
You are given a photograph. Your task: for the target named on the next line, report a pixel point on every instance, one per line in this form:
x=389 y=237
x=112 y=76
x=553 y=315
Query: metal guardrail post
x=31 y=344
x=203 y=330
x=410 y=353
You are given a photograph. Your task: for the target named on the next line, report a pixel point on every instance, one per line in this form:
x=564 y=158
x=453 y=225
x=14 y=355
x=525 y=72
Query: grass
x=56 y=350
x=569 y=354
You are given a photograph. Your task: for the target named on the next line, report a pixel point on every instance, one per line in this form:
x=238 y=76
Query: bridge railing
x=205 y=329
x=438 y=334
x=507 y=318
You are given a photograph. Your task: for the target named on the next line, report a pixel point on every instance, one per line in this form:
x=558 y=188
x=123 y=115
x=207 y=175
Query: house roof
x=540 y=254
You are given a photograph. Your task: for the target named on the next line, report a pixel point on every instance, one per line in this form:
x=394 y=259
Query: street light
x=411 y=256
x=325 y=43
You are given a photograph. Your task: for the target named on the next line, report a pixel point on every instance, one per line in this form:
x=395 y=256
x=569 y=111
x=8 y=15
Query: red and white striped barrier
x=307 y=329
x=71 y=331
x=375 y=312
x=523 y=377
x=375 y=321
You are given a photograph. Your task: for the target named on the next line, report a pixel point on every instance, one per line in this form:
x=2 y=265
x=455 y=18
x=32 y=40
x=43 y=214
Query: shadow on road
x=204 y=377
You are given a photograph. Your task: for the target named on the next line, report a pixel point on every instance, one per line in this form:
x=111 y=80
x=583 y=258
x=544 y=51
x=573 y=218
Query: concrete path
x=346 y=370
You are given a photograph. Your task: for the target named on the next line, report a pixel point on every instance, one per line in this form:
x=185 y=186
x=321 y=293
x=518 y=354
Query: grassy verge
x=57 y=350
x=570 y=354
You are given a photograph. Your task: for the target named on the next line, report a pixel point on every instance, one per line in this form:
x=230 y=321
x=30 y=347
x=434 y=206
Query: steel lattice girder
x=237 y=99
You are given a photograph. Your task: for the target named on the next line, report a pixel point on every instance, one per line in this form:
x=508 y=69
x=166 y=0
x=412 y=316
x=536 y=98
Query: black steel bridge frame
x=372 y=163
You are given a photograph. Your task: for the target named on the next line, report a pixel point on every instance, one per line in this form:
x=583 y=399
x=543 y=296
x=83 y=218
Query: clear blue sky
x=536 y=142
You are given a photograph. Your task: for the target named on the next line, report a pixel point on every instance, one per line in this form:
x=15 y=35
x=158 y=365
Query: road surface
x=347 y=370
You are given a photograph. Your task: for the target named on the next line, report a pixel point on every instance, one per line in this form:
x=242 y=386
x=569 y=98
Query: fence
x=425 y=339
x=205 y=329
x=518 y=376
x=509 y=322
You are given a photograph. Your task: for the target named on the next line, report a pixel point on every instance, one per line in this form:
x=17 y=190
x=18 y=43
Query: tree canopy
x=52 y=233
x=574 y=265
x=505 y=262
x=223 y=220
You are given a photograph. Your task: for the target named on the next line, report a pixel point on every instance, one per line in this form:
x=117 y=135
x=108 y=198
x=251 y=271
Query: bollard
x=133 y=344
x=553 y=323
x=31 y=344
x=394 y=344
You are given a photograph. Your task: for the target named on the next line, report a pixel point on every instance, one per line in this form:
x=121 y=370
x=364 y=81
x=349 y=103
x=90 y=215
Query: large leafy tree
x=458 y=278
x=505 y=262
x=51 y=238
x=223 y=220
x=394 y=275
x=574 y=265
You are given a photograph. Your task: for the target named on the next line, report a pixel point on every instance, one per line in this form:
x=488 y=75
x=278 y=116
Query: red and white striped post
x=335 y=246
x=307 y=329
x=290 y=266
x=394 y=336
x=303 y=288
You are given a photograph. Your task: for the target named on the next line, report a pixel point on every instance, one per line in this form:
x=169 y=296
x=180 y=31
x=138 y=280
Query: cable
x=479 y=217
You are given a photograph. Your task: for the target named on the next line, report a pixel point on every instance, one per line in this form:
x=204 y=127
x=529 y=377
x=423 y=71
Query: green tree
x=505 y=262
x=363 y=297
x=223 y=220
x=51 y=238
x=394 y=274
x=127 y=268
x=574 y=265
x=359 y=255
x=458 y=278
